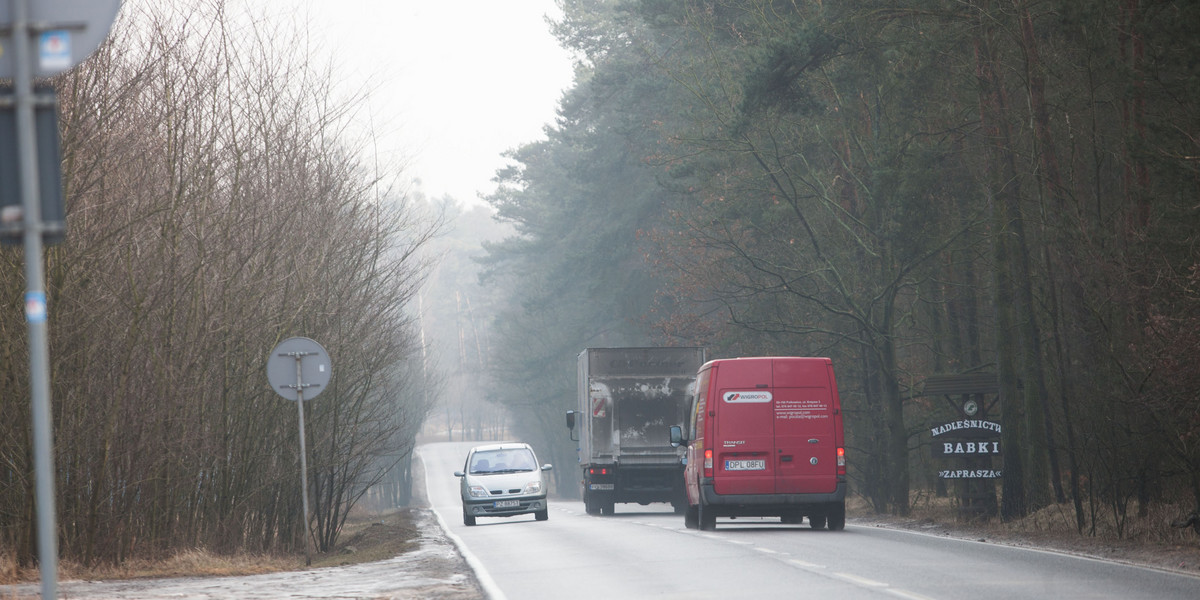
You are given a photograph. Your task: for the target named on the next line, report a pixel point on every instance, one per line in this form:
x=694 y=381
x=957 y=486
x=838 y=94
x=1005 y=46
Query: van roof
x=754 y=358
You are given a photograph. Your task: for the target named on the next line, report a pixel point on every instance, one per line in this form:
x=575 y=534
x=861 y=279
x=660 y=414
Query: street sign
x=66 y=32
x=312 y=376
x=299 y=369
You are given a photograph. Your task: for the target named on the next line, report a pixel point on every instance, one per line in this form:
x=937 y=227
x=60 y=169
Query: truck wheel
x=816 y=521
x=837 y=516
x=468 y=520
x=590 y=505
x=706 y=519
x=542 y=515
x=691 y=518
x=608 y=508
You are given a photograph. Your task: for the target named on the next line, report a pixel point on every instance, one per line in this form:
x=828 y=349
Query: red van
x=765 y=439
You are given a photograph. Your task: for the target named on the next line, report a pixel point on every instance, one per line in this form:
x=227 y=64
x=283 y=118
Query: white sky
x=454 y=83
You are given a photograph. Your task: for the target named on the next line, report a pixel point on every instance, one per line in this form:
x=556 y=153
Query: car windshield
x=502 y=461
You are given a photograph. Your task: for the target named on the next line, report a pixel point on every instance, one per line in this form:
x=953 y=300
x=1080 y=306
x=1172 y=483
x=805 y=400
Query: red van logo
x=736 y=397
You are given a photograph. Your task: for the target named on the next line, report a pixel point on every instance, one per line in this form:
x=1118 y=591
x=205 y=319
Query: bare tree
x=217 y=204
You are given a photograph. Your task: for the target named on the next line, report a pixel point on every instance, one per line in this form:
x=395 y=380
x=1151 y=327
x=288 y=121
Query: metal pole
x=35 y=303
x=303 y=460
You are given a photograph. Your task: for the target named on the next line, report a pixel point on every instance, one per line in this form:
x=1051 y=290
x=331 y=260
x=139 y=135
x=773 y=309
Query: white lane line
x=806 y=565
x=856 y=580
x=906 y=595
x=490 y=589
x=813 y=568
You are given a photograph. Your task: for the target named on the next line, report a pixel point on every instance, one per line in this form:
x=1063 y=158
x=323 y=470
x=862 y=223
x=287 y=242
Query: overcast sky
x=454 y=83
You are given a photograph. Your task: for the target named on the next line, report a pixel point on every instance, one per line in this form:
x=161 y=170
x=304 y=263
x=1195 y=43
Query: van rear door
x=744 y=428
x=805 y=426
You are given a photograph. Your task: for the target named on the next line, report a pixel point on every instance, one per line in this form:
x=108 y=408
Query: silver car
x=502 y=480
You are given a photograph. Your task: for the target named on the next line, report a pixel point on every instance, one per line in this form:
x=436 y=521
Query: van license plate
x=508 y=503
x=745 y=465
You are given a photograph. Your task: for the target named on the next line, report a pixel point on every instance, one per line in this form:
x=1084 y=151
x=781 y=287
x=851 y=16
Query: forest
x=993 y=190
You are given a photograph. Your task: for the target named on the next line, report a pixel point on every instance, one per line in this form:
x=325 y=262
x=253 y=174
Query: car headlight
x=477 y=491
x=533 y=487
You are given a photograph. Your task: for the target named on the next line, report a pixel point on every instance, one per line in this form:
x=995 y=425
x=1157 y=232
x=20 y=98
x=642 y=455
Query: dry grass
x=191 y=562
x=367 y=537
x=1059 y=519
x=1149 y=540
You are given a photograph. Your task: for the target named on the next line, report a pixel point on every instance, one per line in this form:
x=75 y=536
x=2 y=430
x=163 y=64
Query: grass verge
x=366 y=537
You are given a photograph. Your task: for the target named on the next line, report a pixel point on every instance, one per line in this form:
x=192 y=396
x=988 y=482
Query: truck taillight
x=598 y=471
x=708 y=463
x=841 y=464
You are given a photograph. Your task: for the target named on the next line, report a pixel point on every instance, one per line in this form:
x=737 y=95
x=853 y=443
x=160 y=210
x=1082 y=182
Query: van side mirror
x=571 y=425
x=677 y=438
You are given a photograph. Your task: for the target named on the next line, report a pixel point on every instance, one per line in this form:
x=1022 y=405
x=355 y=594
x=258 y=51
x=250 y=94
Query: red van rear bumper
x=767 y=504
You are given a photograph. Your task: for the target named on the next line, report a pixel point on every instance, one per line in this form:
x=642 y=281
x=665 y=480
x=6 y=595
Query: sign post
x=57 y=22
x=970 y=442
x=295 y=365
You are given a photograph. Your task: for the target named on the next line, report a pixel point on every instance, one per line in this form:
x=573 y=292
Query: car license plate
x=508 y=503
x=745 y=465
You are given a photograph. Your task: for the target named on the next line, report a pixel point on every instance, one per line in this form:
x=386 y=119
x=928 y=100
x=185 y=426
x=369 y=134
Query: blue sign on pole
x=54 y=50
x=35 y=307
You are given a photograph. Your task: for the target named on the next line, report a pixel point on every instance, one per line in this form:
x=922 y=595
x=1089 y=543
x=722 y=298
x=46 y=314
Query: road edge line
x=481 y=573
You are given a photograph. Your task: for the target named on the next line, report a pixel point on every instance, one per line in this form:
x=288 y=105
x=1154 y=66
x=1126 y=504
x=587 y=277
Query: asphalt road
x=646 y=552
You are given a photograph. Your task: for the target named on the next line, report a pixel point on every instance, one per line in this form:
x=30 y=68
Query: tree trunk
x=1004 y=200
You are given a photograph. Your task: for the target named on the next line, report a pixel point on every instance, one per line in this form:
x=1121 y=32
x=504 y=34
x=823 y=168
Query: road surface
x=646 y=552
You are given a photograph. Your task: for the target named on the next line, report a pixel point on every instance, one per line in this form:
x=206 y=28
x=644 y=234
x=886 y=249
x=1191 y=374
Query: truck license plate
x=600 y=486
x=745 y=465
x=508 y=503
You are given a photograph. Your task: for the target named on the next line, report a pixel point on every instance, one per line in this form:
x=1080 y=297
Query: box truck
x=627 y=400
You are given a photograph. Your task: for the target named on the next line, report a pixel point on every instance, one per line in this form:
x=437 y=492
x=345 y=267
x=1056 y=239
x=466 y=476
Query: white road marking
x=856 y=580
x=906 y=595
x=806 y=565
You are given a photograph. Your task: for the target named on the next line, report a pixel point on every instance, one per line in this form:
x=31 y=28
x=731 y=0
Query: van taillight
x=841 y=470
x=708 y=463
